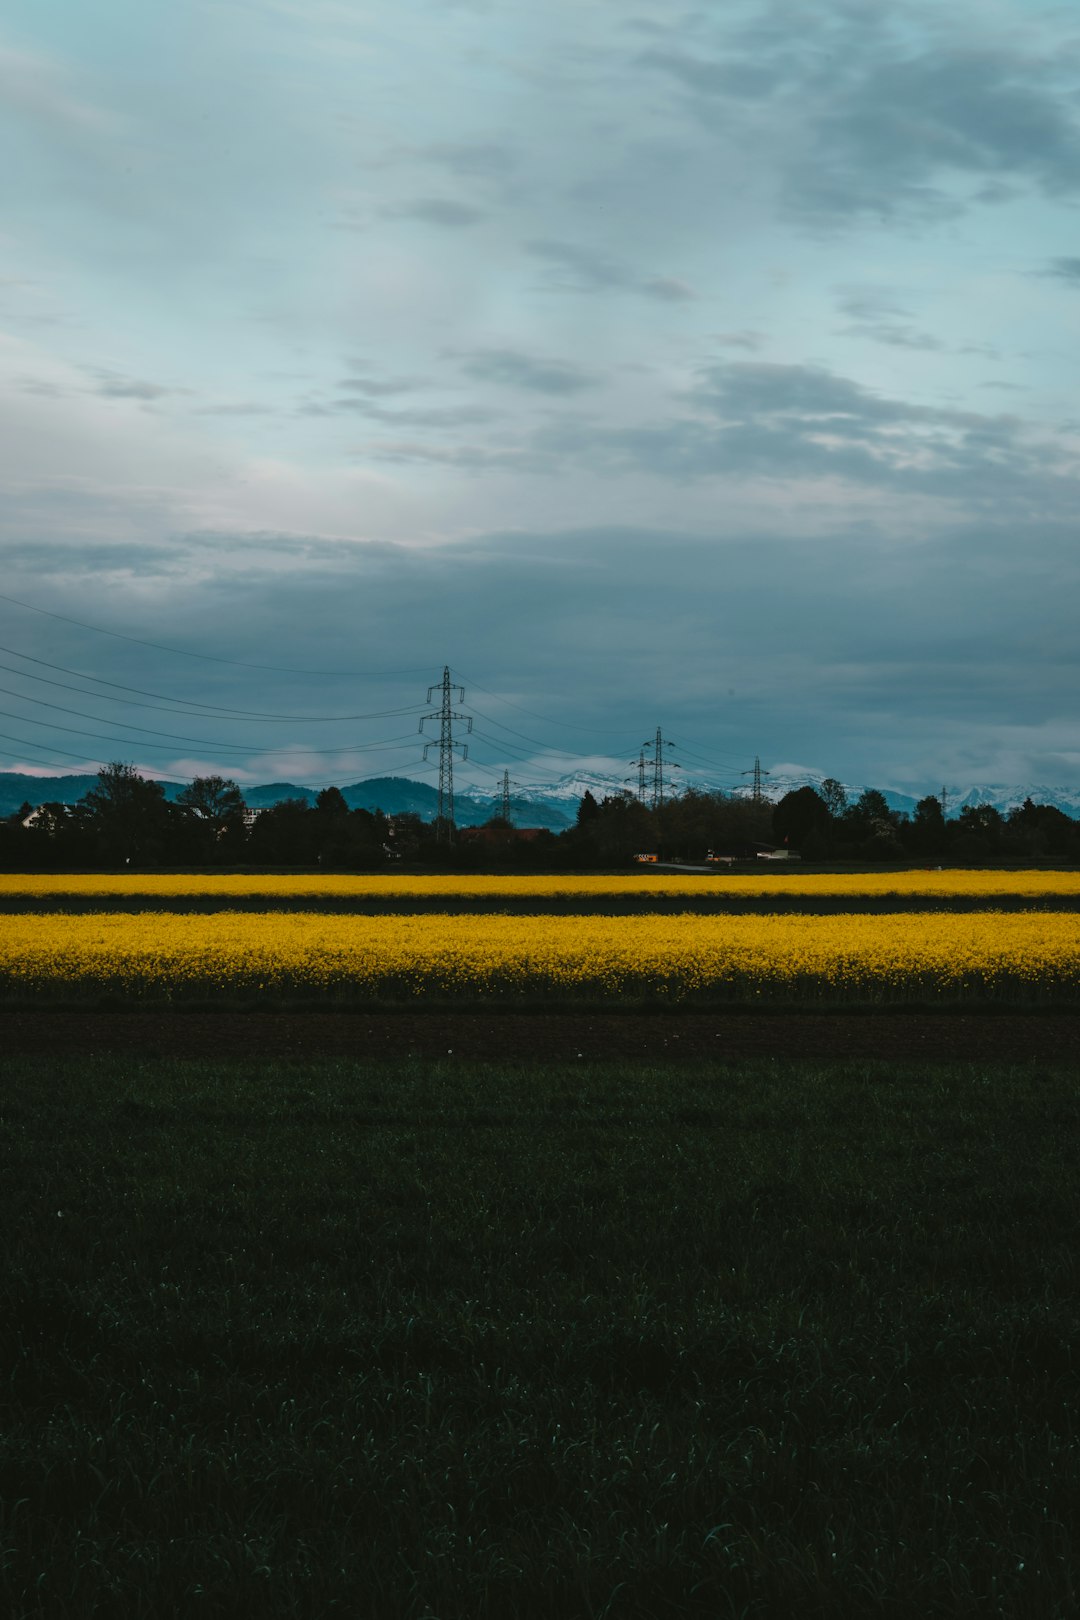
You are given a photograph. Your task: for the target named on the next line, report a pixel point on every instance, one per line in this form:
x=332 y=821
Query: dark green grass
x=488 y=1342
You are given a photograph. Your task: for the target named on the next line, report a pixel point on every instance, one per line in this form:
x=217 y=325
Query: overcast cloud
x=710 y=369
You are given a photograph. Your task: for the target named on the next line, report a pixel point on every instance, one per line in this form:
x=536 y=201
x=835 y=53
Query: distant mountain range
x=553 y=805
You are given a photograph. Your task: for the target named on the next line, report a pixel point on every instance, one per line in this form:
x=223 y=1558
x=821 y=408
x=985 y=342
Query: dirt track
x=628 y=1038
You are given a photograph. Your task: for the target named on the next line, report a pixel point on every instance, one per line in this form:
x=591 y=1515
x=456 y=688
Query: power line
x=209 y=658
x=210 y=708
x=86 y=759
x=563 y=725
x=175 y=736
x=390 y=744
x=239 y=714
x=685 y=748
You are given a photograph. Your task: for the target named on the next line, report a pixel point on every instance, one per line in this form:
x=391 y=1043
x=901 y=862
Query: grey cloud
x=875 y=656
x=1067 y=270
x=468 y=457
x=41 y=386
x=862 y=125
x=579 y=267
x=738 y=340
x=752 y=420
x=896 y=336
x=878 y=315
x=669 y=289
x=884 y=141
x=752 y=389
x=443 y=211
x=451 y=416
x=869 y=304
x=575 y=268
x=88 y=559
x=111 y=385
x=242 y=407
x=376 y=387
x=486 y=160
x=739 y=77
x=523 y=371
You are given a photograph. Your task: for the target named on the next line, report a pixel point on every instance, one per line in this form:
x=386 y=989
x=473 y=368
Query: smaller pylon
x=640 y=763
x=757 y=773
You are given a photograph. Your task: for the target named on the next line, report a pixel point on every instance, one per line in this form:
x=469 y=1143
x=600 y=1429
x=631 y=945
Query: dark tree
x=1041 y=832
x=799 y=816
x=284 y=835
x=976 y=834
x=873 y=806
x=331 y=802
x=928 y=832
x=214 y=800
x=872 y=828
x=588 y=809
x=128 y=816
x=834 y=796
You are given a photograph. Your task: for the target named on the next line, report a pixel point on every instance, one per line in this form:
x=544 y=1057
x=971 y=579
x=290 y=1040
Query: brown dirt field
x=542 y=1037
x=640 y=905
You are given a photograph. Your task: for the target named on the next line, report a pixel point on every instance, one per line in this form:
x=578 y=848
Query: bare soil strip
x=533 y=905
x=630 y=1038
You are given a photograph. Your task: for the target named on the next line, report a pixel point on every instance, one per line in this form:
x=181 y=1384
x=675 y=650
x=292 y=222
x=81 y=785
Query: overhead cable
x=208 y=708
x=210 y=658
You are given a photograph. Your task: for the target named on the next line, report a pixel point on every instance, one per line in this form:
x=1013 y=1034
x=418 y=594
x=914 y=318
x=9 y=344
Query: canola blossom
x=962 y=882
x=162 y=956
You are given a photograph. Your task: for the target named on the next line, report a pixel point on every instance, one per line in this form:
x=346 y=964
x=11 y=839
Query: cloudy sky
x=709 y=368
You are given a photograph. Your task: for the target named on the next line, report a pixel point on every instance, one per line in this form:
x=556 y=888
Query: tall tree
x=800 y=814
x=834 y=795
x=128 y=816
x=332 y=802
x=214 y=800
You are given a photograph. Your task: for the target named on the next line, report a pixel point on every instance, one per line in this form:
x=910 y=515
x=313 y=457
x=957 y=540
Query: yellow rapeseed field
x=847 y=955
x=980 y=884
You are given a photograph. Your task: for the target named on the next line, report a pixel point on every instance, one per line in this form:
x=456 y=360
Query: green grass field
x=488 y=1342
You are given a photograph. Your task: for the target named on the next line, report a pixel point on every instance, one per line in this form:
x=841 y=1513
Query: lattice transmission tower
x=640 y=763
x=757 y=773
x=446 y=714
x=661 y=750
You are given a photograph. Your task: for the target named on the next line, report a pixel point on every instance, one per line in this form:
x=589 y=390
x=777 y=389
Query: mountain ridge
x=551 y=805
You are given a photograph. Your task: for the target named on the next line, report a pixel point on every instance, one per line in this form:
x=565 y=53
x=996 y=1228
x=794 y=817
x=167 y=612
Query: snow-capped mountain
x=551 y=804
x=1003 y=798
x=1067 y=800
x=566 y=792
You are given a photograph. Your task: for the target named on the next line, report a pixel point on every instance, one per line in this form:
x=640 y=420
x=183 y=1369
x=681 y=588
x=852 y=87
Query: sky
x=703 y=368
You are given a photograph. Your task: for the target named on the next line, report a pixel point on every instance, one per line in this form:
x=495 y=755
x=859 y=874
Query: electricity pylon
x=757 y=773
x=505 y=810
x=658 y=745
x=640 y=763
x=446 y=715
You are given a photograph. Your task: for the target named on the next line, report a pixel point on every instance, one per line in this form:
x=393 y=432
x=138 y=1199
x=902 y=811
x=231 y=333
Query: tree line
x=125 y=820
